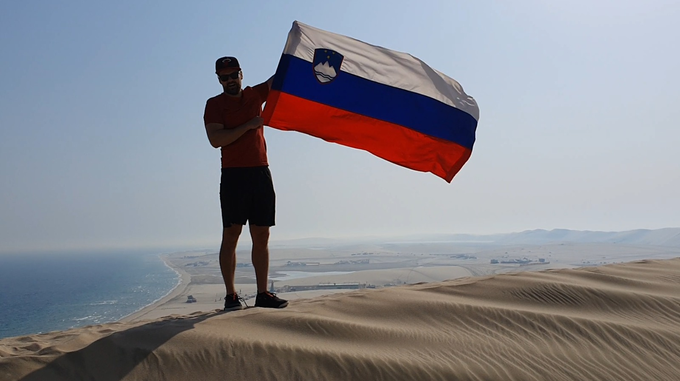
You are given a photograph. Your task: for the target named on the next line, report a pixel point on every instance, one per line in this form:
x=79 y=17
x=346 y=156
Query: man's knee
x=231 y=233
x=259 y=234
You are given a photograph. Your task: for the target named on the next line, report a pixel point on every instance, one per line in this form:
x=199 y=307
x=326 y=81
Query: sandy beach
x=611 y=322
x=206 y=287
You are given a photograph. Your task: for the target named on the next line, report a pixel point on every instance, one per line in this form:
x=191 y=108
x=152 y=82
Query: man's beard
x=232 y=90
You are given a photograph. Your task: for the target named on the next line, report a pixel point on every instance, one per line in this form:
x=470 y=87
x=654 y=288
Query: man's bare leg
x=228 y=255
x=260 y=258
x=260 y=255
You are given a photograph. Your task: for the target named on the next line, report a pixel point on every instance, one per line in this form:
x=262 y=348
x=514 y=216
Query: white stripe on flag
x=381 y=65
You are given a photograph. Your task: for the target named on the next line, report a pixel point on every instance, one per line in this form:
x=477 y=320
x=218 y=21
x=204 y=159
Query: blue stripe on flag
x=376 y=100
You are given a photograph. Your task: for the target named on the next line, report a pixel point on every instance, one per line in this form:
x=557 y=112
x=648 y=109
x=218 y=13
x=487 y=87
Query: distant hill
x=658 y=237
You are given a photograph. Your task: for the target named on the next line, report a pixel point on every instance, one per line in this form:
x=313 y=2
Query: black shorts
x=247 y=194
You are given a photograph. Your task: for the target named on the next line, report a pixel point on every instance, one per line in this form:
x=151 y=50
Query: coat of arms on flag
x=326 y=64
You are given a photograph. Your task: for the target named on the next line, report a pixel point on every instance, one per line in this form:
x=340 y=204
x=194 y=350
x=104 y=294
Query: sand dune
x=615 y=322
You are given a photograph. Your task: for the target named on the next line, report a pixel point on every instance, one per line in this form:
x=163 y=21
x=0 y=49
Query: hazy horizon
x=102 y=141
x=540 y=237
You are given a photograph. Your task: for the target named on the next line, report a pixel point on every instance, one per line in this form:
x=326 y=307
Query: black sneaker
x=268 y=300
x=232 y=302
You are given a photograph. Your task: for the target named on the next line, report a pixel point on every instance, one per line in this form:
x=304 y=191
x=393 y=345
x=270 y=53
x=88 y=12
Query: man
x=233 y=123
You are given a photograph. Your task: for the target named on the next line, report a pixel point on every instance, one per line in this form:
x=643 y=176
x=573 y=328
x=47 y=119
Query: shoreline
x=180 y=288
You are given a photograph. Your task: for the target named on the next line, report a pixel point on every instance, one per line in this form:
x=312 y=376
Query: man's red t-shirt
x=250 y=150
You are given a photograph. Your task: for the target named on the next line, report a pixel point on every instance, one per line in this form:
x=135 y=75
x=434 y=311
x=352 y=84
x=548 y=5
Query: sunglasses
x=226 y=77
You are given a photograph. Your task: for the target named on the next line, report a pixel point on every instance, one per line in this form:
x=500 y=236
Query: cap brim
x=228 y=70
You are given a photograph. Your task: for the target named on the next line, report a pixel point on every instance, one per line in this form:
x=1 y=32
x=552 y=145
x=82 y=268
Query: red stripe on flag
x=392 y=142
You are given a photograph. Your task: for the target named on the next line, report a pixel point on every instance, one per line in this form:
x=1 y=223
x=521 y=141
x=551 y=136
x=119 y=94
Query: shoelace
x=270 y=294
x=243 y=300
x=236 y=296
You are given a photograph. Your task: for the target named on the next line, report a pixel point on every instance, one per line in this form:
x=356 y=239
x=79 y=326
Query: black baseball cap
x=226 y=63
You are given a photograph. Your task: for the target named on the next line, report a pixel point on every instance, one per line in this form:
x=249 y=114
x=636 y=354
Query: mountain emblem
x=326 y=64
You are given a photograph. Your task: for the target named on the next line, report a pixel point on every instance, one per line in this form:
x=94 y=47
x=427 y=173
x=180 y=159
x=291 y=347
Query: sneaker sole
x=284 y=305
x=233 y=309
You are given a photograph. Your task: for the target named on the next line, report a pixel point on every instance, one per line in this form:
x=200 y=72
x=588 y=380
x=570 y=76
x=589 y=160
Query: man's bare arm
x=221 y=137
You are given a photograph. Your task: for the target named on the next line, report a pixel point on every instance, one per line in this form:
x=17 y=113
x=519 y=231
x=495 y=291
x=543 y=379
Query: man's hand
x=256 y=122
x=221 y=137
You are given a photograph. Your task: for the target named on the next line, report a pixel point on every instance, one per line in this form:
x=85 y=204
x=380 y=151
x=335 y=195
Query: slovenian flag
x=388 y=103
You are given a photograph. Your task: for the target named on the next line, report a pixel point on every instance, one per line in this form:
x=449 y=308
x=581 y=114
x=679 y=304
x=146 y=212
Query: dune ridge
x=614 y=322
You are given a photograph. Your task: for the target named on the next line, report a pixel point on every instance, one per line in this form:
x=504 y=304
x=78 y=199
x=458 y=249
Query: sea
x=43 y=292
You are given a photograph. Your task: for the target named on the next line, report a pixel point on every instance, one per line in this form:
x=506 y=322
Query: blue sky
x=102 y=143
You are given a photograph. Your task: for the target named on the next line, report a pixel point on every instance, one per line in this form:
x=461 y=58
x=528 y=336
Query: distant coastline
x=183 y=282
x=79 y=289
